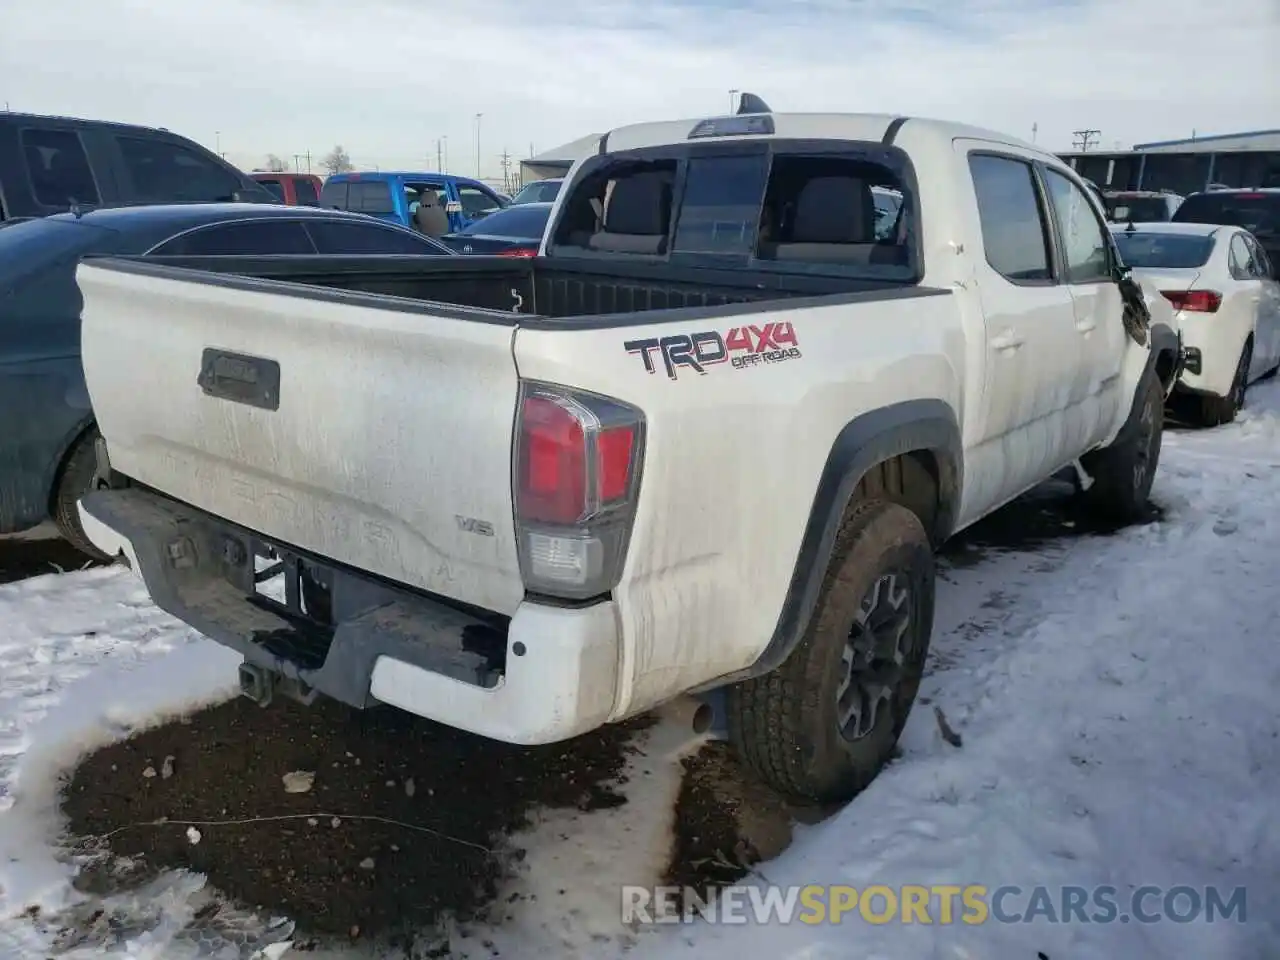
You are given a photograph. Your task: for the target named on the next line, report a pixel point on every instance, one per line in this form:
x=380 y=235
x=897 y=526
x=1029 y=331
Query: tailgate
x=372 y=431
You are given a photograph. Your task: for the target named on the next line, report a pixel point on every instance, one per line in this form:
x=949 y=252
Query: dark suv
x=1257 y=210
x=50 y=164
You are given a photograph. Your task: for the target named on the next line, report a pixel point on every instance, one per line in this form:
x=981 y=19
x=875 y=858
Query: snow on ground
x=1120 y=727
x=1116 y=698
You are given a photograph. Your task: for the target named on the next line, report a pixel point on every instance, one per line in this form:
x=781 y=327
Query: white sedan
x=1226 y=300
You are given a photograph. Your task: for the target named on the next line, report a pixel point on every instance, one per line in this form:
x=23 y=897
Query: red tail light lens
x=576 y=478
x=553 y=469
x=519 y=252
x=1194 y=301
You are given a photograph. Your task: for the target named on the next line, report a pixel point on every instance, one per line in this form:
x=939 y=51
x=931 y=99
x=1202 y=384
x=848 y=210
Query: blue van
x=393 y=196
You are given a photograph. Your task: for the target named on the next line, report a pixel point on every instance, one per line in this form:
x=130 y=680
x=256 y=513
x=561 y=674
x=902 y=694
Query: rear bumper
x=546 y=675
x=1214 y=355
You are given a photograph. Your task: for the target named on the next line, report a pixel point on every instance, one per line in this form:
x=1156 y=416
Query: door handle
x=1007 y=340
x=1086 y=326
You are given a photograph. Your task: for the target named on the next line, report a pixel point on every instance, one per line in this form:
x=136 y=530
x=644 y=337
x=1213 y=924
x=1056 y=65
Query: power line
x=1084 y=139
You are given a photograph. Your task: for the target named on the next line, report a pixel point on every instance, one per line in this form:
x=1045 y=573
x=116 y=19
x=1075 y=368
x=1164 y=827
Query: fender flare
x=864 y=442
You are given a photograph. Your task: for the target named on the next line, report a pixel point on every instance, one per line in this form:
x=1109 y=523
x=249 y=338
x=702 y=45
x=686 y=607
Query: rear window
x=1259 y=213
x=1122 y=209
x=748 y=206
x=538 y=193
x=306 y=192
x=334 y=195
x=519 y=222
x=1165 y=251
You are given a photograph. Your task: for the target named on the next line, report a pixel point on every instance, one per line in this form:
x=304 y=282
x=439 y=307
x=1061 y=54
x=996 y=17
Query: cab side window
x=1015 y=229
x=1084 y=244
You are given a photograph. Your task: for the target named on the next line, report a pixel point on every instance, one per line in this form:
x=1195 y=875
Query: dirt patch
x=448 y=796
x=727 y=821
x=22 y=558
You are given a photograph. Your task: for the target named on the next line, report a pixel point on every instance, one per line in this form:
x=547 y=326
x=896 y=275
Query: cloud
x=389 y=77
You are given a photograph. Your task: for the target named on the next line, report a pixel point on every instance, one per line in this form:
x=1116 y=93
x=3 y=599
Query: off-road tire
x=785 y=723
x=75 y=479
x=1122 y=473
x=1217 y=411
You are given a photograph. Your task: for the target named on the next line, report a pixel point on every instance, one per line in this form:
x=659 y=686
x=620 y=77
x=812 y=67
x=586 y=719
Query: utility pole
x=217 y=136
x=445 y=168
x=478 y=116
x=297 y=163
x=308 y=161
x=1084 y=139
x=506 y=171
x=732 y=100
x=1035 y=131
x=439 y=155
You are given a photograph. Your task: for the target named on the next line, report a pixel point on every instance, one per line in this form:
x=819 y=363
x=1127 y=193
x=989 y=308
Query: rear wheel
x=823 y=724
x=1215 y=411
x=74 y=481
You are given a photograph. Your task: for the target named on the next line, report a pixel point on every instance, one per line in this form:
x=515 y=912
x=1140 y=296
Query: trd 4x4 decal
x=741 y=347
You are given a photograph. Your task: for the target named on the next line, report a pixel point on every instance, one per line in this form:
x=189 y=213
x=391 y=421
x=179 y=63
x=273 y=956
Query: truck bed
x=538 y=287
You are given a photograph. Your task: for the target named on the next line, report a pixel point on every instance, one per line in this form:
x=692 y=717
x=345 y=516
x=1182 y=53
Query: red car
x=293 y=189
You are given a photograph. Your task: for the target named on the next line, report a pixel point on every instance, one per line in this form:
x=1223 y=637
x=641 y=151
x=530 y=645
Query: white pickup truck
x=706 y=441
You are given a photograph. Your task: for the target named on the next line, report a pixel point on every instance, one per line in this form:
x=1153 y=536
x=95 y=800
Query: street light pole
x=478 y=116
x=732 y=100
x=217 y=136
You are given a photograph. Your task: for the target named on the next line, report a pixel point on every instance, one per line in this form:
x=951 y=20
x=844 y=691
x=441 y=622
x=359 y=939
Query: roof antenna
x=750 y=103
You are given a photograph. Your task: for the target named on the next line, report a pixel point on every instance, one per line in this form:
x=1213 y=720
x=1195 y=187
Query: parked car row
x=1216 y=259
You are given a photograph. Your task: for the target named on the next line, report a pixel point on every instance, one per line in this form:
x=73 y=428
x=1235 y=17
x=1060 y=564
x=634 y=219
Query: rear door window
x=1015 y=230
x=166 y=172
x=59 y=168
x=275 y=186
x=1263 y=268
x=250 y=238
x=370 y=196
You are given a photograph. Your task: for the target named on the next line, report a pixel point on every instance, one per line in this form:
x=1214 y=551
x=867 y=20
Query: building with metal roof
x=556 y=162
x=1218 y=143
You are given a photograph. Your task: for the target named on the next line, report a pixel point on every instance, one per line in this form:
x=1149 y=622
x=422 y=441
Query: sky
x=399 y=82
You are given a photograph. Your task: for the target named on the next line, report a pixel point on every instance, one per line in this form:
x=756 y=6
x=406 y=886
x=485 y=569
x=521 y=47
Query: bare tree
x=337 y=160
x=275 y=164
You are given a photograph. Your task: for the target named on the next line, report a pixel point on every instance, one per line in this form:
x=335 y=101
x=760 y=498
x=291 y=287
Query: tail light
x=519 y=252
x=577 y=462
x=1194 y=301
